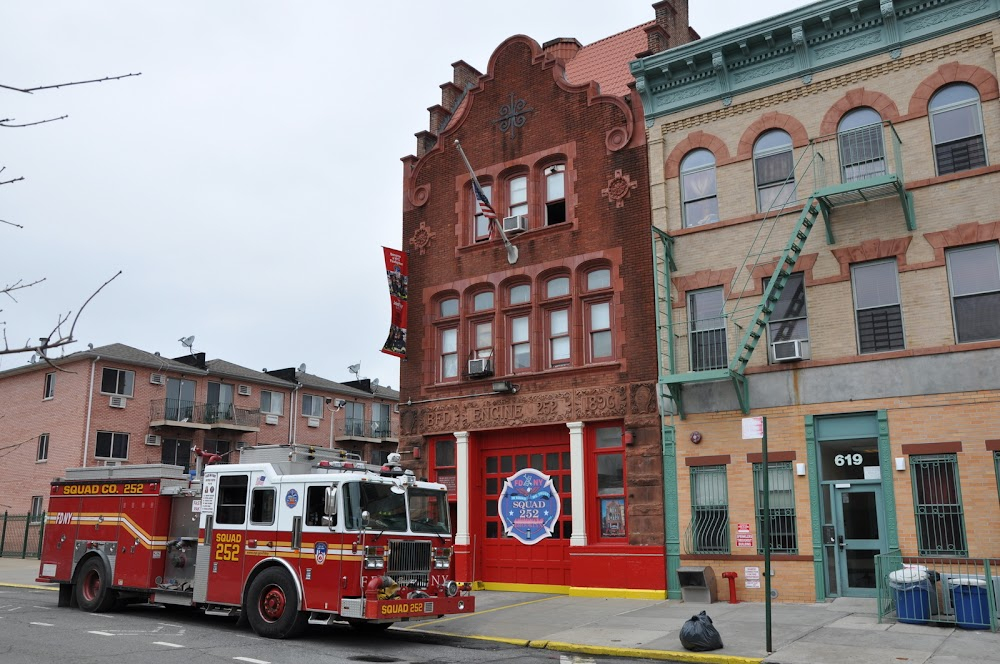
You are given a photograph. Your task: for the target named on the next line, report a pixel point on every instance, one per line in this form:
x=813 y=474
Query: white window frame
x=555 y=173
x=859 y=267
x=593 y=331
x=696 y=327
x=42 y=452
x=129 y=377
x=776 y=322
x=37 y=514
x=933 y=113
x=785 y=190
x=843 y=135
x=690 y=171
x=554 y=337
x=448 y=353
x=271 y=398
x=518 y=342
x=517 y=195
x=49 y=386
x=115 y=435
x=315 y=405
x=949 y=258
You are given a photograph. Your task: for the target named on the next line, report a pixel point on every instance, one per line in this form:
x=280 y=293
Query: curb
x=672 y=655
x=24 y=585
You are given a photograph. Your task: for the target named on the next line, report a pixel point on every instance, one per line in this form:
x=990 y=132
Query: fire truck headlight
x=461 y=605
x=451 y=589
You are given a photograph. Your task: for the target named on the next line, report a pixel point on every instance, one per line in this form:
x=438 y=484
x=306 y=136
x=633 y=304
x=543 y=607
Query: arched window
x=555 y=194
x=957 y=129
x=447 y=338
x=698 y=188
x=773 y=169
x=859 y=140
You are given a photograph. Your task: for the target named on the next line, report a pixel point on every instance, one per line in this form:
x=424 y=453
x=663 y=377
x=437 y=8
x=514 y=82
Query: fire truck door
x=320 y=556
x=227 y=539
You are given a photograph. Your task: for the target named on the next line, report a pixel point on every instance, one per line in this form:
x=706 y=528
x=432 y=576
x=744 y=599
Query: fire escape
x=866 y=172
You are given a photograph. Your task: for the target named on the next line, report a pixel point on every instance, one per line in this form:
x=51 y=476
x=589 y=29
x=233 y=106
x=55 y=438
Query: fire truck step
x=316 y=618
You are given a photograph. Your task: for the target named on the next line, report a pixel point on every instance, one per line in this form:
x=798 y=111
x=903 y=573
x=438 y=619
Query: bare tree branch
x=56 y=337
x=18 y=285
x=14 y=180
x=65 y=85
x=10 y=223
x=3 y=123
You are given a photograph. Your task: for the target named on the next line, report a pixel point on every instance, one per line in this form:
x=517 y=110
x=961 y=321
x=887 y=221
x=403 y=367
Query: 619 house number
x=848 y=459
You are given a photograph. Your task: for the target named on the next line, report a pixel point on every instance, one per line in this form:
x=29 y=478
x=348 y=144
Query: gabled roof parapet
x=792 y=45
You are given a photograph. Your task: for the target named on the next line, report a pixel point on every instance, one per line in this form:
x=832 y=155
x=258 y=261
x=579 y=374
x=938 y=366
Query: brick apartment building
x=868 y=128
x=120 y=405
x=534 y=379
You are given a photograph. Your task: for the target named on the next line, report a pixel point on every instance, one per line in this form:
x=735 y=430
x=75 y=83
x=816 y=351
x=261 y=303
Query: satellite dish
x=90 y=346
x=355 y=369
x=302 y=368
x=375 y=383
x=34 y=358
x=187 y=342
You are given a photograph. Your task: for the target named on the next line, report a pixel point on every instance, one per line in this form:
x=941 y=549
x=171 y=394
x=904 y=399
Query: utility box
x=697 y=584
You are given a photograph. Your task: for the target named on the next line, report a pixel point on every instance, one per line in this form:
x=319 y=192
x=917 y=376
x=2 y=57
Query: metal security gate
x=20 y=536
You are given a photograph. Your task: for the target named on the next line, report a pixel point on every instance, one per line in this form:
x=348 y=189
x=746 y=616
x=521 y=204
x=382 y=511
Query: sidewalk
x=843 y=631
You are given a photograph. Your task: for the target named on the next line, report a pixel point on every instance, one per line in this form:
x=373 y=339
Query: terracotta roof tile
x=606 y=61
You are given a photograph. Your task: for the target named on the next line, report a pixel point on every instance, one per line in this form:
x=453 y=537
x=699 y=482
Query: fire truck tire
x=93 y=591
x=272 y=606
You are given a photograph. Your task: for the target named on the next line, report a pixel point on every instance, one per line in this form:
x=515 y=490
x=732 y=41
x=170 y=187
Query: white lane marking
x=164 y=643
x=101 y=633
x=43 y=608
x=251 y=660
x=40 y=624
x=106 y=616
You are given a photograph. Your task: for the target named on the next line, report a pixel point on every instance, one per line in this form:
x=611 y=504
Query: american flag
x=484 y=205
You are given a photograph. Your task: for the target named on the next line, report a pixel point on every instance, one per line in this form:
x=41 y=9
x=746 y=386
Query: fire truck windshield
x=386 y=509
x=428 y=511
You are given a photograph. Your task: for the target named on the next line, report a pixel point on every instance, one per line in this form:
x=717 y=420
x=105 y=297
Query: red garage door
x=503 y=558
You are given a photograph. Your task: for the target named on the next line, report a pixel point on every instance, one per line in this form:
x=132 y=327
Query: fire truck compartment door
x=227 y=541
x=319 y=562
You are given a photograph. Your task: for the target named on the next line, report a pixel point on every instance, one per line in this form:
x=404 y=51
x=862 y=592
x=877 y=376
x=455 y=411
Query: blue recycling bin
x=972 y=604
x=912 y=589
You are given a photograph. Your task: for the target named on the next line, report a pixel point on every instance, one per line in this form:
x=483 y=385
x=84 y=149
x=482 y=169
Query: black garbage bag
x=699 y=634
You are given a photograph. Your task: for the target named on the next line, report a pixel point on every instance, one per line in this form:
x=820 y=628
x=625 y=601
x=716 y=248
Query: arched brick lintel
x=772 y=120
x=882 y=104
x=953 y=72
x=694 y=140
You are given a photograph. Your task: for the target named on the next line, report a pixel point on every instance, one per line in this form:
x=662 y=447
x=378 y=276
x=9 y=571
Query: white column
x=462 y=487
x=577 y=484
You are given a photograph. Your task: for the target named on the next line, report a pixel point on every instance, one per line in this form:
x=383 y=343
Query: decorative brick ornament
x=512 y=115
x=619 y=188
x=422 y=238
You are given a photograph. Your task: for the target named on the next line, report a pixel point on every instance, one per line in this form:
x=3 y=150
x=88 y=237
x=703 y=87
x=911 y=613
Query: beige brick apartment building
x=823 y=195
x=117 y=404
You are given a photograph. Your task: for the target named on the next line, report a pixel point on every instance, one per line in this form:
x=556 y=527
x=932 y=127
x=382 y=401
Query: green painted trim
x=888 y=489
x=815 y=509
x=671 y=517
x=696 y=376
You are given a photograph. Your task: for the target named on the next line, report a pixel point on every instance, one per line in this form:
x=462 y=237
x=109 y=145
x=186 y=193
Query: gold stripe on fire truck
x=110 y=519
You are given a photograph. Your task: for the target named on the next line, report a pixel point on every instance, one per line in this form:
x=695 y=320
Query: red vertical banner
x=395 y=272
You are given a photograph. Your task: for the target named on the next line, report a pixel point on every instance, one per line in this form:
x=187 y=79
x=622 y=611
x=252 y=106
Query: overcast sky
x=246 y=182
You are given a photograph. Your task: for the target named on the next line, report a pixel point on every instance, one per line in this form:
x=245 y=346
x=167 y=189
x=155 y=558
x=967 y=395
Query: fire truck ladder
x=866 y=175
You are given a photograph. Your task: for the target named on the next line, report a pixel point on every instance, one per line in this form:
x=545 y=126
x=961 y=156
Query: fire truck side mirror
x=366 y=518
x=330 y=501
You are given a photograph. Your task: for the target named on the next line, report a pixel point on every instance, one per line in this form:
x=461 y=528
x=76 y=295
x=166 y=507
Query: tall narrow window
x=773 y=168
x=42 y=453
x=789 y=322
x=449 y=353
x=698 y=188
x=937 y=503
x=559 y=352
x=49 y=388
x=781 y=506
x=707 y=329
x=709 y=529
x=517 y=196
x=957 y=128
x=175 y=452
x=37 y=509
x=599 y=329
x=354 y=419
x=555 y=194
x=483 y=340
x=609 y=453
x=381 y=420
x=974 y=276
x=859 y=140
x=876 y=304
x=520 y=342
x=480 y=222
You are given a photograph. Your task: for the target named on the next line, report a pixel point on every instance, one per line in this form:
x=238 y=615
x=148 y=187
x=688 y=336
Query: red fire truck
x=289 y=536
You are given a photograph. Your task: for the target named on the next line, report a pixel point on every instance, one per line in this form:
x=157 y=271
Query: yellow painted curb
x=676 y=656
x=497 y=639
x=618 y=593
x=22 y=585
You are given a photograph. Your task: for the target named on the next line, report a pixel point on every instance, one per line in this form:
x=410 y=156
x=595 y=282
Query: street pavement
x=843 y=631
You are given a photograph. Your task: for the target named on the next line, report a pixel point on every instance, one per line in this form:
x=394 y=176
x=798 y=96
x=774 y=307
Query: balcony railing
x=179 y=412
x=358 y=428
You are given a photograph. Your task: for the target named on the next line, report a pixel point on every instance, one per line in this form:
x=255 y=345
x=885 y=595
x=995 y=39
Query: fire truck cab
x=289 y=536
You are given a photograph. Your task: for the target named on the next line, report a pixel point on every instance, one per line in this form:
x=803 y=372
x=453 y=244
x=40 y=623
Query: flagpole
x=511 y=249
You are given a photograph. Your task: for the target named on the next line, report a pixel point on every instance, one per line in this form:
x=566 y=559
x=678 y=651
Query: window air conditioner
x=480 y=367
x=152 y=439
x=117 y=401
x=787 y=351
x=157 y=379
x=395 y=408
x=112 y=463
x=313 y=421
x=515 y=224
x=271 y=419
x=243 y=390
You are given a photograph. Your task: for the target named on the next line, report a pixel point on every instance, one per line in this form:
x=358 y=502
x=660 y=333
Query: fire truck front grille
x=410 y=562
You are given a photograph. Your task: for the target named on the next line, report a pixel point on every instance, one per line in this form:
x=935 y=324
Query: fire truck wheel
x=93 y=592
x=272 y=605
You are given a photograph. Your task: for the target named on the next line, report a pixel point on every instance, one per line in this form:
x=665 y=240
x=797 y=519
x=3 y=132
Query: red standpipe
x=732 y=586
